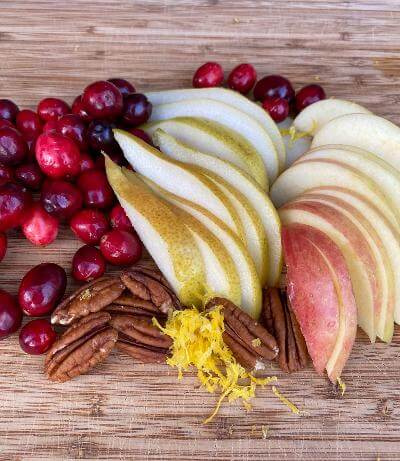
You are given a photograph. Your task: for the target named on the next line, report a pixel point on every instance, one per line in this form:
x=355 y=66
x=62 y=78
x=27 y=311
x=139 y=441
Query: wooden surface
x=124 y=410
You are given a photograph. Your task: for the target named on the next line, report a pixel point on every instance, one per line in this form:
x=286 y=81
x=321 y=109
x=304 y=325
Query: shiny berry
x=119 y=219
x=273 y=86
x=61 y=199
x=102 y=99
x=29 y=124
x=79 y=109
x=3 y=245
x=50 y=126
x=121 y=248
x=52 y=109
x=96 y=191
x=242 y=78
x=41 y=289
x=6 y=123
x=8 y=110
x=208 y=75
x=141 y=134
x=13 y=148
x=39 y=227
x=278 y=108
x=10 y=314
x=73 y=127
x=88 y=264
x=57 y=155
x=123 y=85
x=6 y=174
x=308 y=95
x=29 y=175
x=89 y=225
x=101 y=137
x=137 y=109
x=86 y=163
x=15 y=201
x=36 y=337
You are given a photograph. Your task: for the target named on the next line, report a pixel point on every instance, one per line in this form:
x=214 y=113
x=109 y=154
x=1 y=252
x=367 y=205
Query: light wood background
x=131 y=411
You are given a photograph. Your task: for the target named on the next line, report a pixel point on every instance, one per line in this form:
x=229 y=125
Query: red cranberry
x=208 y=75
x=39 y=227
x=52 y=109
x=272 y=86
x=137 y=109
x=8 y=110
x=278 y=108
x=61 y=199
x=29 y=124
x=308 y=95
x=50 y=126
x=10 y=314
x=57 y=155
x=3 y=245
x=36 y=337
x=86 y=163
x=123 y=85
x=97 y=192
x=102 y=100
x=6 y=174
x=13 y=148
x=73 y=127
x=119 y=219
x=242 y=78
x=6 y=123
x=79 y=109
x=141 y=134
x=41 y=289
x=29 y=175
x=88 y=264
x=14 y=203
x=89 y=225
x=121 y=247
x=101 y=137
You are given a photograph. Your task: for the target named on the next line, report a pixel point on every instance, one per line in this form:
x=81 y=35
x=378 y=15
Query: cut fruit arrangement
x=197 y=174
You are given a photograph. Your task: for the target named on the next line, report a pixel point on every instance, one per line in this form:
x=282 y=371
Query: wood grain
x=131 y=411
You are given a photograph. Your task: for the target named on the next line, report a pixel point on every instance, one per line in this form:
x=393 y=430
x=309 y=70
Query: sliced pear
x=167 y=239
x=234 y=119
x=232 y=98
x=316 y=115
x=177 y=178
x=214 y=139
x=296 y=144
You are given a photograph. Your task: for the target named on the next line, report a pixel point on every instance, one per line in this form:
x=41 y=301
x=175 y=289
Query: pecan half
x=130 y=304
x=280 y=321
x=249 y=341
x=85 y=344
x=140 y=339
x=92 y=297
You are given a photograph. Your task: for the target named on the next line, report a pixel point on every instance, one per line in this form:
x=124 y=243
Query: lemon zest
x=342 y=385
x=285 y=401
x=295 y=135
x=256 y=342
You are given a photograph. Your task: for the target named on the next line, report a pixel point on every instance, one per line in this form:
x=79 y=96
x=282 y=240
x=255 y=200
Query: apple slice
x=320 y=293
x=296 y=144
x=214 y=139
x=169 y=242
x=316 y=115
x=232 y=98
x=177 y=178
x=234 y=119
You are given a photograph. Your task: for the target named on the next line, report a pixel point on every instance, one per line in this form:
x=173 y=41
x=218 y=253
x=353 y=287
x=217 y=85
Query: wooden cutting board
x=124 y=410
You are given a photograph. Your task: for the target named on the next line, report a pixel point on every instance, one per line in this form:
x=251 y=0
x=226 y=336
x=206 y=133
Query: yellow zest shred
x=294 y=135
x=256 y=342
x=342 y=386
x=264 y=431
x=285 y=401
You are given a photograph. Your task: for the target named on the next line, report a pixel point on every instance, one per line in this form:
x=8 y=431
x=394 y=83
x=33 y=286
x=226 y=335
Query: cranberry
x=141 y=134
x=6 y=174
x=13 y=148
x=242 y=78
x=39 y=227
x=7 y=123
x=123 y=85
x=51 y=126
x=3 y=245
x=101 y=137
x=89 y=225
x=37 y=336
x=308 y=95
x=272 y=86
x=208 y=75
x=29 y=124
x=30 y=175
x=14 y=203
x=79 y=109
x=41 y=289
x=88 y=264
x=278 y=108
x=57 y=155
x=52 y=109
x=137 y=109
x=8 y=110
x=102 y=100
x=61 y=199
x=121 y=247
x=86 y=163
x=10 y=314
x=119 y=219
x=100 y=163
x=74 y=128
x=97 y=192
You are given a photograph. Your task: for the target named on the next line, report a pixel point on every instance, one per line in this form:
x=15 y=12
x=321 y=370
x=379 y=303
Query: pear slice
x=296 y=144
x=223 y=172
x=177 y=178
x=229 y=117
x=167 y=239
x=316 y=115
x=214 y=139
x=234 y=99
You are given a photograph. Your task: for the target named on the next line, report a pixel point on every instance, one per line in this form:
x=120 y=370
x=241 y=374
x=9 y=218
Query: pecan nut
x=92 y=297
x=280 y=321
x=130 y=304
x=85 y=344
x=140 y=339
x=251 y=344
